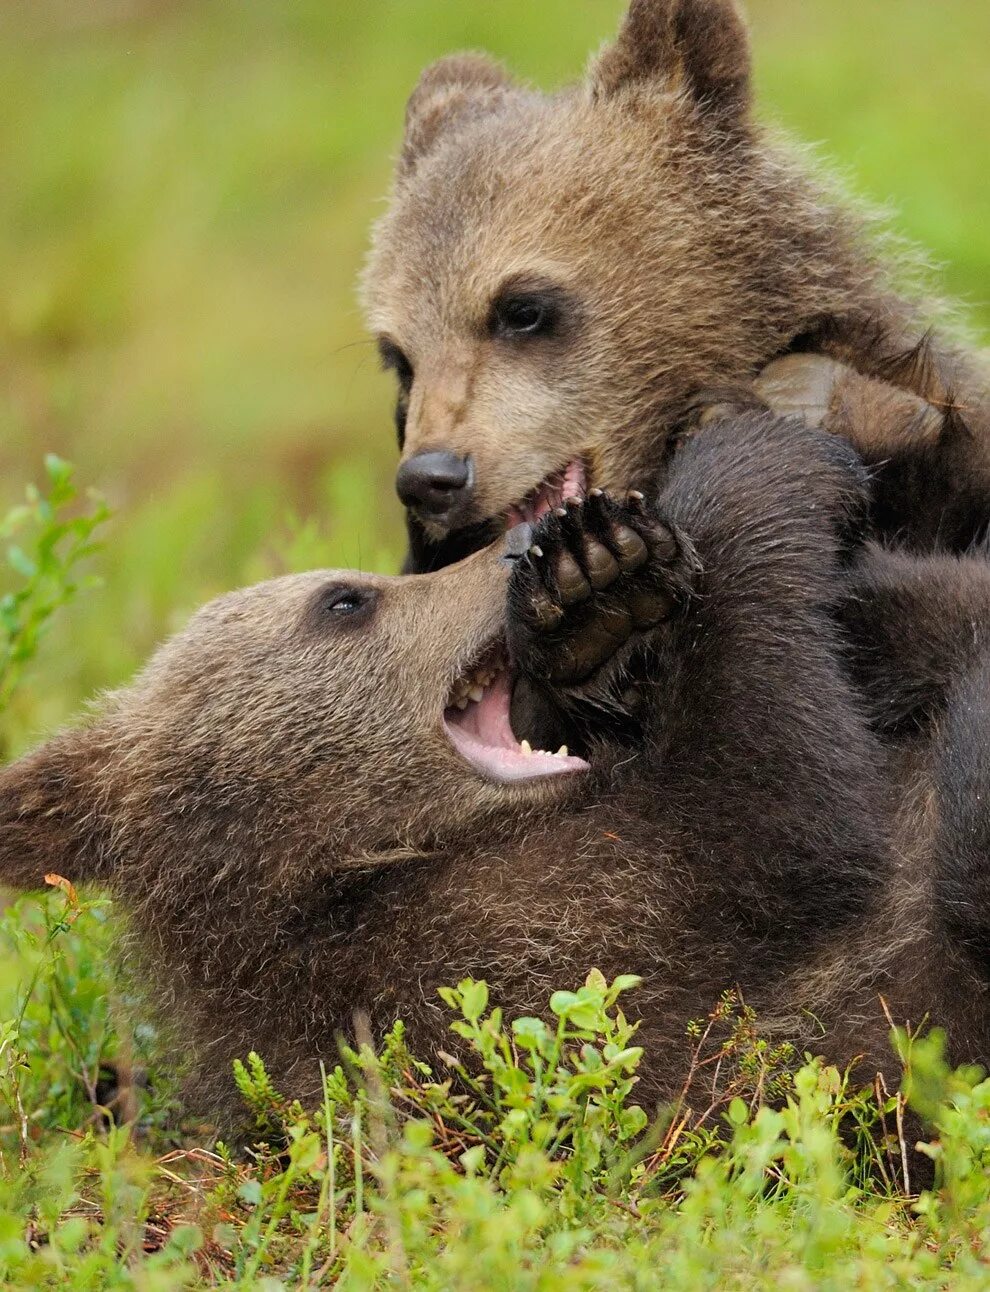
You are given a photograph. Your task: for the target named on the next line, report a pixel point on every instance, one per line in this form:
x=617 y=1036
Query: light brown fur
x=691 y=247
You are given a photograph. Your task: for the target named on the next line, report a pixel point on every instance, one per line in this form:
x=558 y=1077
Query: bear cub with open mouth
x=633 y=746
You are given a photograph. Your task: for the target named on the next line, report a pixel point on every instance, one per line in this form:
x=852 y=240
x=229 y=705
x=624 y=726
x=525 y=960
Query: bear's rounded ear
x=698 y=47
x=51 y=815
x=450 y=93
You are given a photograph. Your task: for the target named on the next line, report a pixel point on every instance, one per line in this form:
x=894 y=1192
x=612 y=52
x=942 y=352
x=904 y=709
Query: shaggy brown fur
x=561 y=277
x=277 y=803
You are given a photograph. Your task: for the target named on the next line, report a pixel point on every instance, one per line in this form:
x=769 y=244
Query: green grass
x=527 y=1165
x=185 y=192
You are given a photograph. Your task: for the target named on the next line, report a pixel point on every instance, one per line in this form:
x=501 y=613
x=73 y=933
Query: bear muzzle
x=437 y=486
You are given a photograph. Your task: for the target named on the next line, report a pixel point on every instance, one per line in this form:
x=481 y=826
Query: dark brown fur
x=686 y=247
x=275 y=802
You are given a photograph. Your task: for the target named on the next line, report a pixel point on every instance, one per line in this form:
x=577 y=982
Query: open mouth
x=569 y=482
x=478 y=725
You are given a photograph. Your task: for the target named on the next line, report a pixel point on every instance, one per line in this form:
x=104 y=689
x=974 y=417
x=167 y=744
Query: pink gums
x=482 y=735
x=553 y=492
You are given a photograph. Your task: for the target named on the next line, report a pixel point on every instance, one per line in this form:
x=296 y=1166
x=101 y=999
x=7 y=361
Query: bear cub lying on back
x=316 y=797
x=560 y=279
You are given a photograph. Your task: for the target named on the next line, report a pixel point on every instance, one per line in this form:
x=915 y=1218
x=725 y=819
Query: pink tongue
x=488 y=720
x=482 y=735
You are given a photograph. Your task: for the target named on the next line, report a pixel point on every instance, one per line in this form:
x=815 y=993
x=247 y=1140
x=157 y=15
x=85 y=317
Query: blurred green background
x=185 y=192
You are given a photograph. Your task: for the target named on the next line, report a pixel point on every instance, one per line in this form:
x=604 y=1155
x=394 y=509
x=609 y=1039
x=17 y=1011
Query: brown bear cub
x=560 y=279
x=321 y=797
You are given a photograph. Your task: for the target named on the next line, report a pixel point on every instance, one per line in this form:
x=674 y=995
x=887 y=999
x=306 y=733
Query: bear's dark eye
x=523 y=316
x=340 y=603
x=401 y=416
x=395 y=360
x=344 y=602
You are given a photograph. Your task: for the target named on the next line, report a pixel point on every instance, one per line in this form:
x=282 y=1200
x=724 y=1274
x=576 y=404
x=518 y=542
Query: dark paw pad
x=598 y=572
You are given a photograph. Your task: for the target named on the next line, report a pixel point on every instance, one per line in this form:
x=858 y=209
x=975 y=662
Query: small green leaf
x=474 y=999
x=632 y=1121
x=584 y=1008
x=418 y=1135
x=561 y=1002
x=530 y=1033
x=21 y=562
x=625 y=982
x=596 y=980
x=306 y=1152
x=627 y=1058
x=185 y=1239
x=59 y=471
x=473 y=1159
x=738 y=1112
x=225 y=1235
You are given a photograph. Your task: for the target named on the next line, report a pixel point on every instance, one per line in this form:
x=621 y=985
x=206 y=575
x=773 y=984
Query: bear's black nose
x=436 y=485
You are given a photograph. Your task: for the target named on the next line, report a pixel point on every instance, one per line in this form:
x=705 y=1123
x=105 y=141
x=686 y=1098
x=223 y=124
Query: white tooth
x=461 y=702
x=526 y=747
x=476 y=693
x=562 y=752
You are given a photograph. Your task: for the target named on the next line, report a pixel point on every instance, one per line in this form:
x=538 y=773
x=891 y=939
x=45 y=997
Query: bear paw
x=876 y=417
x=597 y=574
x=802 y=385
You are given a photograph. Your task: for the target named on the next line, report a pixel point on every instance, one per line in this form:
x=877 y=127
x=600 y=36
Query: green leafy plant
x=524 y=1162
x=543 y=1087
x=46 y=540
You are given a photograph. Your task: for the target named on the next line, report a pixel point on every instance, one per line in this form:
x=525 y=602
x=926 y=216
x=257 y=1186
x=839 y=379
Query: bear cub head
x=287 y=732
x=559 y=278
